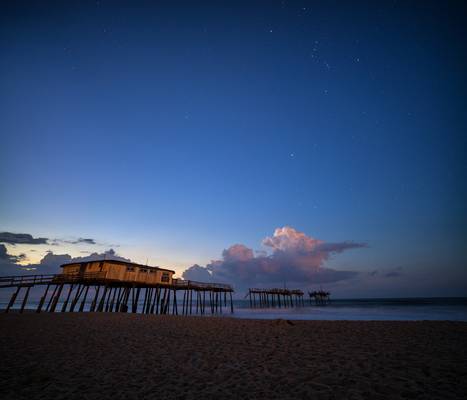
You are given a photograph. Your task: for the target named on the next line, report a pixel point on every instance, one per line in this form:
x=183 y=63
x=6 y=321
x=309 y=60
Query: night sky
x=170 y=131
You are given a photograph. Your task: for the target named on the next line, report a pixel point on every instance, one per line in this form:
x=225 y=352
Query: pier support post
x=57 y=297
x=51 y=298
x=134 y=299
x=94 y=302
x=79 y=292
x=100 y=307
x=65 y=303
x=42 y=300
x=25 y=299
x=175 y=306
x=12 y=300
x=81 y=306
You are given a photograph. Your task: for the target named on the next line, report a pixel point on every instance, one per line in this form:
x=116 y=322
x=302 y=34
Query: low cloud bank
x=295 y=259
x=20 y=238
x=50 y=263
x=26 y=238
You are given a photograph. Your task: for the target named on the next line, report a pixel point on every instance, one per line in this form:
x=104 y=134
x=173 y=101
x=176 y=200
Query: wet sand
x=124 y=356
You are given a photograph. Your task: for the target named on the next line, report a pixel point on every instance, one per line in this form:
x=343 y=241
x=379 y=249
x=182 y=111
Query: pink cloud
x=296 y=258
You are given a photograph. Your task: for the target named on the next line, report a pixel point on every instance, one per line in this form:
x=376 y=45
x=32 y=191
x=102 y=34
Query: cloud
x=26 y=238
x=20 y=238
x=56 y=242
x=50 y=263
x=287 y=238
x=80 y=240
x=395 y=273
x=197 y=273
x=8 y=262
x=295 y=259
x=9 y=258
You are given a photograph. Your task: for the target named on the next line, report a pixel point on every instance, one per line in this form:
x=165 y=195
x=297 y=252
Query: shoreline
x=99 y=355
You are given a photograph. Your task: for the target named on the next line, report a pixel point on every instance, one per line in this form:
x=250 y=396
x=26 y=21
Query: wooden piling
x=25 y=299
x=42 y=300
x=12 y=299
x=57 y=297
x=94 y=302
x=65 y=303
x=83 y=302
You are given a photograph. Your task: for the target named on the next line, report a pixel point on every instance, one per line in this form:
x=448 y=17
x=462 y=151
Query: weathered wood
x=12 y=299
x=115 y=295
x=57 y=297
x=204 y=302
x=135 y=299
x=124 y=302
x=65 y=303
x=112 y=302
x=25 y=299
x=191 y=300
x=79 y=292
x=94 y=302
x=183 y=302
x=81 y=307
x=100 y=307
x=158 y=301
x=42 y=300
x=154 y=300
x=175 y=306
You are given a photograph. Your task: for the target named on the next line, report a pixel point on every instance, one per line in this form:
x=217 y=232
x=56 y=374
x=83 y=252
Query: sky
x=265 y=143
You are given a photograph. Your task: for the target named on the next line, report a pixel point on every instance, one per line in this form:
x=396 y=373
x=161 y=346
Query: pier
x=321 y=297
x=105 y=291
x=275 y=298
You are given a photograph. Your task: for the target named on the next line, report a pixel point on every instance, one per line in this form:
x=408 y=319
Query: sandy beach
x=124 y=356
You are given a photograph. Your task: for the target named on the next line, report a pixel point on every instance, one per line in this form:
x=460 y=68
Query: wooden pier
x=275 y=298
x=321 y=297
x=73 y=292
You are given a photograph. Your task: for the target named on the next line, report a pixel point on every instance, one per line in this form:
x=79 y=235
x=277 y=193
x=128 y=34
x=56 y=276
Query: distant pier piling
x=264 y=298
x=319 y=297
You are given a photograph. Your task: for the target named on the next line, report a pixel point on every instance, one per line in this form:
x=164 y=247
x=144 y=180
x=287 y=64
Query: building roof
x=118 y=262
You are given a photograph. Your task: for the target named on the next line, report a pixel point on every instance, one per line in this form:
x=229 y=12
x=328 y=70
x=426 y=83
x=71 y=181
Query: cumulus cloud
x=8 y=262
x=49 y=264
x=289 y=239
x=20 y=238
x=9 y=258
x=197 y=273
x=295 y=258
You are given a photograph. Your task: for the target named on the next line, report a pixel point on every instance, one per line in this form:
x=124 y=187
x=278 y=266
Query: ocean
x=401 y=309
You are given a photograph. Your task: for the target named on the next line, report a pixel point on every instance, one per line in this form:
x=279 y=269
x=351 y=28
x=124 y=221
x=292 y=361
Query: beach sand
x=125 y=356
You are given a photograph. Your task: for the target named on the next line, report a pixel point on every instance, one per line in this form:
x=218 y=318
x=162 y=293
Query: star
x=292 y=155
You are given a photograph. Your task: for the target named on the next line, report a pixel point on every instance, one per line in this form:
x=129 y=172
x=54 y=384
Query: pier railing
x=201 y=285
x=31 y=280
x=24 y=280
x=277 y=291
x=117 y=295
x=87 y=276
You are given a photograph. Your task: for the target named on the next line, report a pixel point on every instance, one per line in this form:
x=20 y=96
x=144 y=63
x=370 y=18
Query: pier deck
x=111 y=295
x=275 y=297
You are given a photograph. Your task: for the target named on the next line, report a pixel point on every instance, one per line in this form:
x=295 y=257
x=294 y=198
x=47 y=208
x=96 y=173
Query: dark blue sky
x=176 y=129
